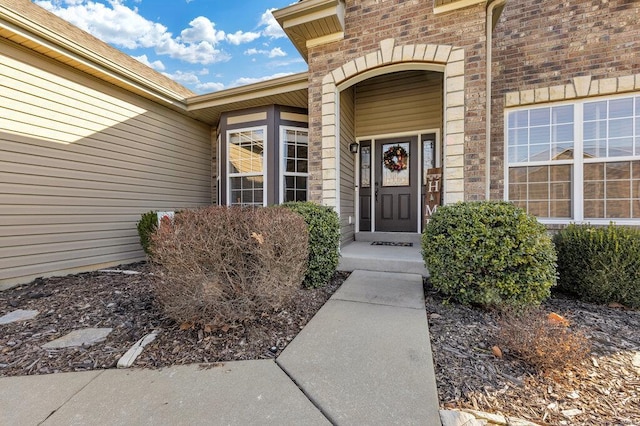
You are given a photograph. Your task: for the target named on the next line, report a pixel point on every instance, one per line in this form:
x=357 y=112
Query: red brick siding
x=541 y=44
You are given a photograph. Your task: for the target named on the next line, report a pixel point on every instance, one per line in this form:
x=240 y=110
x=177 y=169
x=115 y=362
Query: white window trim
x=577 y=184
x=283 y=165
x=264 y=162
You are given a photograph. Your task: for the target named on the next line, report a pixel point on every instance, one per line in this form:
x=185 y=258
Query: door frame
x=418 y=189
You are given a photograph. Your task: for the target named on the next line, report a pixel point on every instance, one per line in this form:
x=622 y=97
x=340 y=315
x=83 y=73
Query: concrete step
x=363 y=255
x=395 y=237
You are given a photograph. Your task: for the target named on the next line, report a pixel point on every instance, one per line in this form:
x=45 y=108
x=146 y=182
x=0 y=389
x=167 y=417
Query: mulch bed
x=125 y=303
x=604 y=390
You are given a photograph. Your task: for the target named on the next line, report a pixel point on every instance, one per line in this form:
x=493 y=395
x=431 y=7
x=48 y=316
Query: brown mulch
x=125 y=303
x=604 y=390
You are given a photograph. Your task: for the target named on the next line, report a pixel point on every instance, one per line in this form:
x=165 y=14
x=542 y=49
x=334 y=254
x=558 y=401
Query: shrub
x=489 y=253
x=600 y=264
x=544 y=341
x=324 y=241
x=146 y=226
x=218 y=267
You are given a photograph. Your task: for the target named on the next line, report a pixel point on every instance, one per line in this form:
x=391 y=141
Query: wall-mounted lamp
x=353 y=147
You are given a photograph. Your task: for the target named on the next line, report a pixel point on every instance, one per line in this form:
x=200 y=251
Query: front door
x=396 y=185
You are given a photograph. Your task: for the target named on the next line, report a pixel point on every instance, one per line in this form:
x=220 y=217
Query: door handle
x=376 y=192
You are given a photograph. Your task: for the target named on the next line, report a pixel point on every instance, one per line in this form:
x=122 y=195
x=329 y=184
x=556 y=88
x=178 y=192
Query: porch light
x=353 y=147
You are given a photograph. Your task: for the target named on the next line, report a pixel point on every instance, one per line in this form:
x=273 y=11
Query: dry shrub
x=218 y=267
x=545 y=341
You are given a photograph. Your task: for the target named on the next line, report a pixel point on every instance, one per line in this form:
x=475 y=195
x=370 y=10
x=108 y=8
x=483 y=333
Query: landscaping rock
x=458 y=418
x=129 y=358
x=85 y=336
x=19 y=315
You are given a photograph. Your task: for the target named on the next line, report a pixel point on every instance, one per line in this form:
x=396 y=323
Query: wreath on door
x=395 y=158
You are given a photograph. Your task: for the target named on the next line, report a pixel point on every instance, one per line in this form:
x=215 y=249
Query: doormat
x=389 y=243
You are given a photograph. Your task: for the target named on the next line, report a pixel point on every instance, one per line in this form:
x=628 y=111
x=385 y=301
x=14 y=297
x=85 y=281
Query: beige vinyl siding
x=347 y=160
x=399 y=102
x=80 y=160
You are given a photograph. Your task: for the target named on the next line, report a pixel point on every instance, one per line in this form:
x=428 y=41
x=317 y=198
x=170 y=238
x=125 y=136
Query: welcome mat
x=389 y=243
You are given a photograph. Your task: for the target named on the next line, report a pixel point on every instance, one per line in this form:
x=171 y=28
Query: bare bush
x=218 y=267
x=545 y=341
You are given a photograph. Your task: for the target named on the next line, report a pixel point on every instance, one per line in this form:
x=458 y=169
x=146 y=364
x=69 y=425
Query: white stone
x=542 y=95
x=361 y=64
x=626 y=83
x=636 y=360
x=19 y=315
x=608 y=85
x=456 y=55
x=350 y=69
x=430 y=52
x=85 y=336
x=338 y=75
x=407 y=52
x=572 y=412
x=455 y=68
x=455 y=99
x=372 y=60
x=582 y=85
x=556 y=93
x=458 y=418
x=527 y=96
x=418 y=54
x=386 y=47
x=570 y=91
x=442 y=54
x=134 y=352
x=120 y=271
x=512 y=99
x=493 y=418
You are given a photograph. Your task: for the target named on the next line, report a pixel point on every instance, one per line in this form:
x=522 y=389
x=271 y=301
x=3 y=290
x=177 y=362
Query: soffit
x=287 y=91
x=312 y=22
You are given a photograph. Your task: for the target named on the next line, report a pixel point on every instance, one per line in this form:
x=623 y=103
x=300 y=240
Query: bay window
x=295 y=164
x=577 y=162
x=246 y=166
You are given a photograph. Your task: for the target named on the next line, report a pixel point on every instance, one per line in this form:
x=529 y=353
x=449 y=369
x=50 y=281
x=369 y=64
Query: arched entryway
x=384 y=100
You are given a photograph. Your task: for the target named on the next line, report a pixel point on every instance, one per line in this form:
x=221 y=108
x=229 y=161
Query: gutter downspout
x=489 y=38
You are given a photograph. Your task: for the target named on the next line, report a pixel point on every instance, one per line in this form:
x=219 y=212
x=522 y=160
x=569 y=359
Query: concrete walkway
x=364 y=359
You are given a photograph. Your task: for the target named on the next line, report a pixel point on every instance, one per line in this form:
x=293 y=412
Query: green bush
x=600 y=264
x=324 y=241
x=491 y=254
x=147 y=225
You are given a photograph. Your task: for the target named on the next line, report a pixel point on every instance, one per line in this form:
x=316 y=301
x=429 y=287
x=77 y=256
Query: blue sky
x=206 y=45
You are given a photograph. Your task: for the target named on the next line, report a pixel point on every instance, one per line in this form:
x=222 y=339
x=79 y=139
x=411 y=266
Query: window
x=295 y=164
x=246 y=166
x=578 y=161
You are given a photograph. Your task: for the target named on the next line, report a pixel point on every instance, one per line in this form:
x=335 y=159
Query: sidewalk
x=364 y=359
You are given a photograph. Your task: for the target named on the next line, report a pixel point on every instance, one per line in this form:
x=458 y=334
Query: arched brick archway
x=387 y=59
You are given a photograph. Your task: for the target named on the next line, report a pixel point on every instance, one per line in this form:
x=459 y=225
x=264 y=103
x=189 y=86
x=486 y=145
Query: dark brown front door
x=396 y=185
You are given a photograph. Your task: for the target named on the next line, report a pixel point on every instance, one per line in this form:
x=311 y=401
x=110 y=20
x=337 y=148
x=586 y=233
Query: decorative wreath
x=395 y=158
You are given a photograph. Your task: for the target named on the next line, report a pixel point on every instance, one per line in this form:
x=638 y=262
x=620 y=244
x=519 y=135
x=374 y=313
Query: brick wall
x=543 y=44
x=367 y=22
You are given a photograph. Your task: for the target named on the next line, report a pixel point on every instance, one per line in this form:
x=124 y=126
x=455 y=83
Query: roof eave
x=81 y=56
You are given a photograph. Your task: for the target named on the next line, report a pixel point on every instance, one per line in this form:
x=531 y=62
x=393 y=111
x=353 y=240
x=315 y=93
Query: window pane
x=539 y=153
x=538 y=174
x=594 y=190
x=620 y=127
x=560 y=208
x=539 y=117
x=563 y=114
x=618 y=189
x=621 y=108
x=563 y=133
x=619 y=170
x=540 y=135
x=593 y=209
x=517 y=175
x=621 y=147
x=595 y=110
x=618 y=209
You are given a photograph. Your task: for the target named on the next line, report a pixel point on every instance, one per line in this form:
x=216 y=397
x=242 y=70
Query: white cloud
x=273 y=53
x=202 y=29
x=250 y=80
x=240 y=37
x=272 y=28
x=210 y=87
x=156 y=65
x=183 y=77
x=117 y=24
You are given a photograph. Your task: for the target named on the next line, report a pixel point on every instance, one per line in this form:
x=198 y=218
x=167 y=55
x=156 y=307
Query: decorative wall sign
x=433 y=192
x=395 y=164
